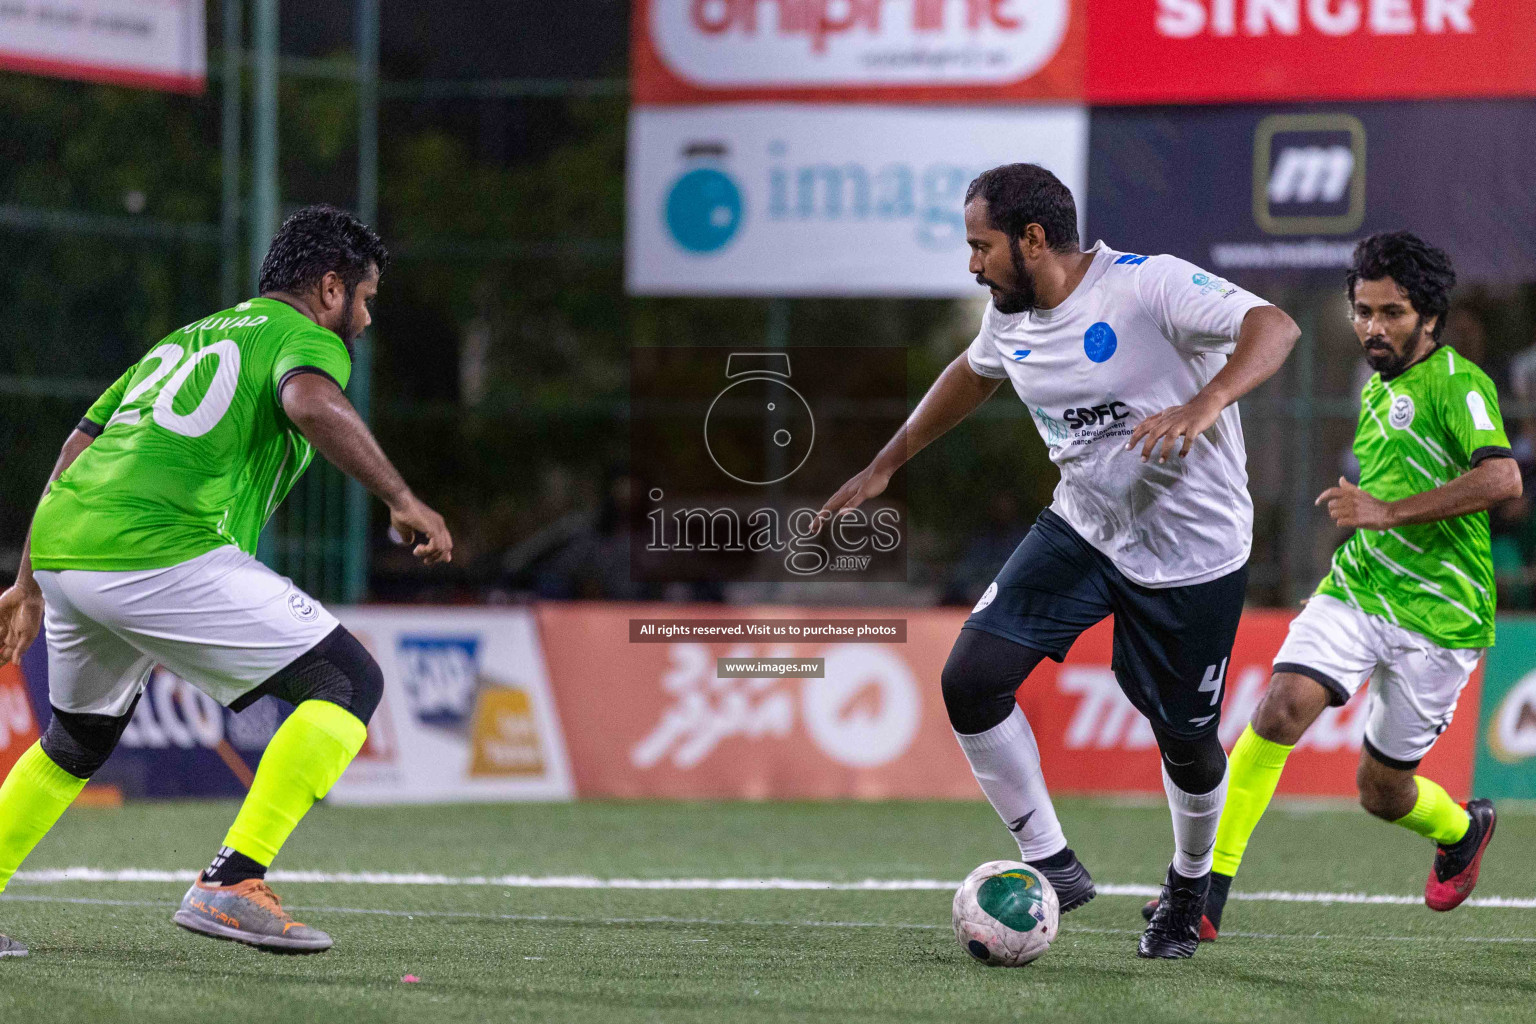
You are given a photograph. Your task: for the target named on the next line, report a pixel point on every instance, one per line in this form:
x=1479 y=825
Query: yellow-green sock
x=302 y=763
x=1253 y=772
x=33 y=798
x=1435 y=815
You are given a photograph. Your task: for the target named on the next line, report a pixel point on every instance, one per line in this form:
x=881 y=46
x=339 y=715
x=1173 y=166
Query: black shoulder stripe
x=297 y=371
x=89 y=428
x=1491 y=451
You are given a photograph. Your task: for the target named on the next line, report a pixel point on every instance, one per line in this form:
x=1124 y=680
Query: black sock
x=1216 y=899
x=1056 y=860
x=231 y=866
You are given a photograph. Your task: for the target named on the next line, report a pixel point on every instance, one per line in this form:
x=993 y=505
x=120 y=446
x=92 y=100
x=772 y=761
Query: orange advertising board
x=18 y=726
x=656 y=720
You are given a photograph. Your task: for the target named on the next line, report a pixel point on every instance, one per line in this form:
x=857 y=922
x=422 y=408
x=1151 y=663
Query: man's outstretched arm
x=1485 y=485
x=21 y=606
x=317 y=407
x=954 y=396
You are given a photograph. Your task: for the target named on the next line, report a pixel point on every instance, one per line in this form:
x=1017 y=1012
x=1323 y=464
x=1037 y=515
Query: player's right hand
x=21 y=616
x=869 y=483
x=416 y=524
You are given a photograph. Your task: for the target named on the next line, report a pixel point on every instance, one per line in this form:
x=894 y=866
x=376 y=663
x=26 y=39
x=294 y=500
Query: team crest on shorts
x=1401 y=413
x=986 y=598
x=302 y=608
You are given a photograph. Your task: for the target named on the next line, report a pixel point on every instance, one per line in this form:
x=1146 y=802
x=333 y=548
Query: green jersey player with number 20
x=1408 y=602
x=142 y=552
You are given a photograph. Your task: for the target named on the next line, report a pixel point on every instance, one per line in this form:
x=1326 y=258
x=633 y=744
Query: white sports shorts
x=222 y=621
x=1415 y=683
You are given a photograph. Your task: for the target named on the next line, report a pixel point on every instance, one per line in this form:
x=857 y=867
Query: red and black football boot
x=1454 y=874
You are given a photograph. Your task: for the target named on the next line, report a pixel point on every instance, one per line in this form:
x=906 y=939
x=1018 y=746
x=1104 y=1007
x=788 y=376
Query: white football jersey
x=1138 y=335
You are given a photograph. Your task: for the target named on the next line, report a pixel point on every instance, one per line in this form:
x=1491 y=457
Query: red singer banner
x=696 y=719
x=1218 y=51
x=955 y=51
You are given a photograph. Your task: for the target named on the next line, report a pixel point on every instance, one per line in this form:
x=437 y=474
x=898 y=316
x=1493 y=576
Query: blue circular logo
x=1099 y=342
x=703 y=209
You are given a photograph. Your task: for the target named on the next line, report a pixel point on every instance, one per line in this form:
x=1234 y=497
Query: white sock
x=1006 y=762
x=1195 y=817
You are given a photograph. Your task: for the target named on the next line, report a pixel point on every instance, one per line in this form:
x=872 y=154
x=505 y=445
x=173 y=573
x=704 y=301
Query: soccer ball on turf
x=1006 y=914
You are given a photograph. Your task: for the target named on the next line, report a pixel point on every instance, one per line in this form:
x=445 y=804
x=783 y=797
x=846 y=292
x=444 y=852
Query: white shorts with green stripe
x=1415 y=682
x=222 y=621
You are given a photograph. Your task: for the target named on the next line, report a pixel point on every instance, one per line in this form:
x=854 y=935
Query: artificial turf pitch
x=106 y=951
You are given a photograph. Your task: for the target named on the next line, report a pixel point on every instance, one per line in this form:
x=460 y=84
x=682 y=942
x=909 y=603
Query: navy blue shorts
x=1171 y=644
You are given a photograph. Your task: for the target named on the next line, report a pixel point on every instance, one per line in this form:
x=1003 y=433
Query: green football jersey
x=1416 y=432
x=194 y=451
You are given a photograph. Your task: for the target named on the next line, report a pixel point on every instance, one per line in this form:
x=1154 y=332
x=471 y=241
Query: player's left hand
x=21 y=616
x=1187 y=421
x=1350 y=506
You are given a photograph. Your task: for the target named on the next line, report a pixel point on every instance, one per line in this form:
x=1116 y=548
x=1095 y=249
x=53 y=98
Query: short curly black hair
x=1018 y=195
x=1419 y=269
x=315 y=241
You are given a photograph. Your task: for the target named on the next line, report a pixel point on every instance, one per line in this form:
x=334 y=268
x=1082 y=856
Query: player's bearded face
x=1018 y=296
x=348 y=328
x=1390 y=357
x=354 y=310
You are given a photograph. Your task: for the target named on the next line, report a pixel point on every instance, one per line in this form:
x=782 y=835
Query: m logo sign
x=1309 y=174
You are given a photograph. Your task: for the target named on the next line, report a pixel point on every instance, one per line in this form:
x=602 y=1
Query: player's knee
x=1195 y=766
x=1287 y=710
x=339 y=669
x=362 y=671
x=980 y=678
x=81 y=743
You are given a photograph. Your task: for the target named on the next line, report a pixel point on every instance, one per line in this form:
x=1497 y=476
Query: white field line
x=753 y=922
x=99 y=875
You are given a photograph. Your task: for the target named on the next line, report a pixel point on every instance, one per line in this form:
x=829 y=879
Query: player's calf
x=335 y=688
x=1387 y=792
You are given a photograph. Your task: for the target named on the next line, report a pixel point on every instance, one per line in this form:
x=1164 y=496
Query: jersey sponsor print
x=1416 y=432
x=1138 y=335
x=194 y=451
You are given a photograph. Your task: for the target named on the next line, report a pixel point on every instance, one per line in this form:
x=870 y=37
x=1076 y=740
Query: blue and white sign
x=784 y=199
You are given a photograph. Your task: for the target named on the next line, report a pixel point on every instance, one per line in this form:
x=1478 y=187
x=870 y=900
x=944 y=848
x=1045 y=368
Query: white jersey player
x=1130 y=366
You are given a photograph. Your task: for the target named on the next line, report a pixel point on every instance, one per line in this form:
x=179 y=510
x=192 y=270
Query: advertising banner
x=467 y=715
x=610 y=701
x=660 y=720
x=1092 y=739
x=179 y=743
x=18 y=725
x=823 y=200
x=1228 y=51
x=656 y=720
x=1506 y=741
x=894 y=51
x=467 y=712
x=1292 y=188
x=152 y=44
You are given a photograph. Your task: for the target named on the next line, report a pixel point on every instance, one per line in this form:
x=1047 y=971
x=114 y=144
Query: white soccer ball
x=1006 y=914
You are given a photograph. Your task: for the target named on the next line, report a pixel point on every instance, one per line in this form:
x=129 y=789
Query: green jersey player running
x=1408 y=602
x=142 y=552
